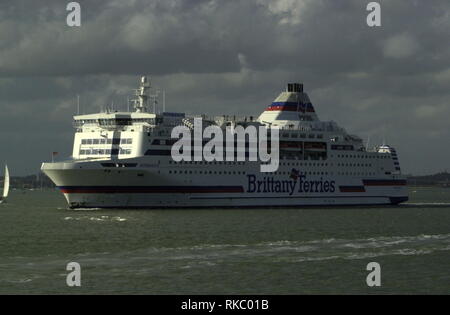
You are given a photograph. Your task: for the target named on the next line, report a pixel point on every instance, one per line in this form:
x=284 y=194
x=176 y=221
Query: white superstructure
x=123 y=159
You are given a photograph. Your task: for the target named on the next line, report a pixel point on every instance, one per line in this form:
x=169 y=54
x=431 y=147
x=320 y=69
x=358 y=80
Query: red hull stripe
x=352 y=189
x=384 y=182
x=150 y=189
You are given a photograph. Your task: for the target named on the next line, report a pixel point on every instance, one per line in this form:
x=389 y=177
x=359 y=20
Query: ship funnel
x=143 y=79
x=295 y=87
x=292 y=105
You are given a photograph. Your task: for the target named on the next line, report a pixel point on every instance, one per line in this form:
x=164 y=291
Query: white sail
x=6 y=184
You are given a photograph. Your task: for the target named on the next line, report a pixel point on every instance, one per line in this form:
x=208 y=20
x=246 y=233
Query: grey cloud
x=227 y=56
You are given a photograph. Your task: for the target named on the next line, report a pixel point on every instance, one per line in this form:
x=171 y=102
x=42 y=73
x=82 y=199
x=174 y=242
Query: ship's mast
x=141 y=104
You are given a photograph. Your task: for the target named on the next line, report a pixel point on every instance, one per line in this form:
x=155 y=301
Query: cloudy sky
x=228 y=56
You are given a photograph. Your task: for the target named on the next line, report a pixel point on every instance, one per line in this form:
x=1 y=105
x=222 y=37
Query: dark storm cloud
x=228 y=56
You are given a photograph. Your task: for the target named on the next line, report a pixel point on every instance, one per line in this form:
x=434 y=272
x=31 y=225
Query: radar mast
x=142 y=101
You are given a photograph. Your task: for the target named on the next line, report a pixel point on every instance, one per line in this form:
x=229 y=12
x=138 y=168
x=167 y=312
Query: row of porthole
x=243 y=163
x=103 y=151
x=208 y=172
x=275 y=173
x=362 y=156
x=207 y=163
x=356 y=173
x=354 y=165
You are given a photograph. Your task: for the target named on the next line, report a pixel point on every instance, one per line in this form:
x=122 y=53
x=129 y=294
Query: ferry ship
x=122 y=159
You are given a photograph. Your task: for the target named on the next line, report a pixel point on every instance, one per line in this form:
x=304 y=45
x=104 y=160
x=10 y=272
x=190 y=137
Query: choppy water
x=225 y=251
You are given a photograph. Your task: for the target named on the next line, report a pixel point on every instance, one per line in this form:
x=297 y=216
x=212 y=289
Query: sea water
x=228 y=251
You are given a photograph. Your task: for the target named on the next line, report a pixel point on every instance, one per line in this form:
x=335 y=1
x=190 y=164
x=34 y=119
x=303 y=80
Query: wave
x=275 y=252
x=103 y=218
x=297 y=251
x=20 y=281
x=380 y=241
x=369 y=255
x=312 y=245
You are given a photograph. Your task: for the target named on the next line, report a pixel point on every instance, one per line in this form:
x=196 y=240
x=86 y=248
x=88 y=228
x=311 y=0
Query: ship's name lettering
x=301 y=185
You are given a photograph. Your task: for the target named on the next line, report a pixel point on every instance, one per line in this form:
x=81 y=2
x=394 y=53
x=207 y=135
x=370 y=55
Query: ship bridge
x=115 y=120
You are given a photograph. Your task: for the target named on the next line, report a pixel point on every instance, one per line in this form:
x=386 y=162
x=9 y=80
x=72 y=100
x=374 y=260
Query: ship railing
x=223 y=118
x=316 y=128
x=71 y=160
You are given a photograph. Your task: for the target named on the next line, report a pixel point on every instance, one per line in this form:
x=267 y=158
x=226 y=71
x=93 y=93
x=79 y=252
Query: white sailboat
x=5 y=185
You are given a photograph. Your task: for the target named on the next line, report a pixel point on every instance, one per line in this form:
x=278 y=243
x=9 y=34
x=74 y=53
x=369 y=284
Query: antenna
x=78 y=104
x=164 y=101
x=155 y=102
x=155 y=97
